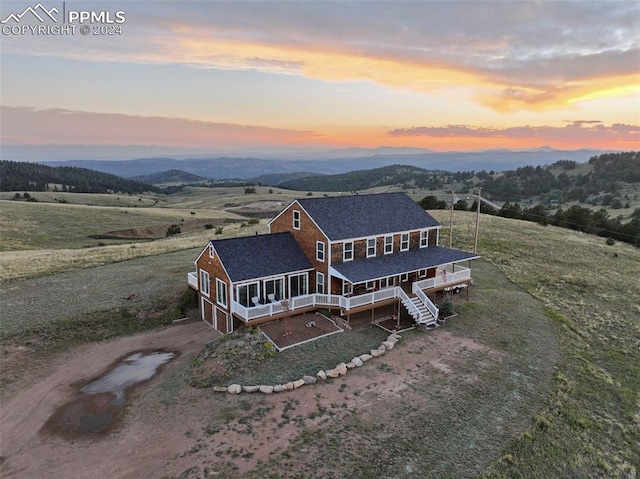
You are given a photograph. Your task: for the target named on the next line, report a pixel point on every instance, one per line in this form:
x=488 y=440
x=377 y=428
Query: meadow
x=586 y=423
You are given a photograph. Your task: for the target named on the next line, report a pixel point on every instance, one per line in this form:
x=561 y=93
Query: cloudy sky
x=455 y=75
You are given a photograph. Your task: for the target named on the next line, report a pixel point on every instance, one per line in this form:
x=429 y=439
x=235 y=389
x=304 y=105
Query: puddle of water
x=133 y=369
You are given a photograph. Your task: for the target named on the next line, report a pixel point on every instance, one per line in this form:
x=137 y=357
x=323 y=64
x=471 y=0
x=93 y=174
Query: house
x=346 y=253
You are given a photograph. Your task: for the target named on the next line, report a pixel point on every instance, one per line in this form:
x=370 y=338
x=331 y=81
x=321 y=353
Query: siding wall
x=306 y=237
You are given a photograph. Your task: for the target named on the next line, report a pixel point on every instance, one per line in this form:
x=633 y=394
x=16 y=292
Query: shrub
x=446 y=307
x=208 y=226
x=254 y=221
x=611 y=241
x=188 y=300
x=218 y=230
x=173 y=230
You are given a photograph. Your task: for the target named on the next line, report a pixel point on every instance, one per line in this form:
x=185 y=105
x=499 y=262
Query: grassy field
x=591 y=423
x=587 y=424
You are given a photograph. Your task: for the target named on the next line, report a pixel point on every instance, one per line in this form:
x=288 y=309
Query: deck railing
x=433 y=309
x=312 y=300
x=192 y=280
x=443 y=278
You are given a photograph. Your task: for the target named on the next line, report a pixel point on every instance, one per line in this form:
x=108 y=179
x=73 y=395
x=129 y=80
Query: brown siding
x=433 y=238
x=306 y=237
x=336 y=253
x=336 y=286
x=360 y=249
x=221 y=320
x=214 y=267
x=414 y=240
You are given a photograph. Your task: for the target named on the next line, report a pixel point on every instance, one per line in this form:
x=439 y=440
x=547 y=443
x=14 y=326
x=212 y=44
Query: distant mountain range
x=334 y=162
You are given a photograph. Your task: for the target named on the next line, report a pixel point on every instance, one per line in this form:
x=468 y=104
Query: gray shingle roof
x=405 y=262
x=253 y=257
x=344 y=217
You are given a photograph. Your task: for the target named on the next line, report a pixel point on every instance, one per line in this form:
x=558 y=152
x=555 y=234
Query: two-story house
x=344 y=253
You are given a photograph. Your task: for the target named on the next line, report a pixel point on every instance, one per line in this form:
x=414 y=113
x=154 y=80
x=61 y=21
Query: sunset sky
x=225 y=76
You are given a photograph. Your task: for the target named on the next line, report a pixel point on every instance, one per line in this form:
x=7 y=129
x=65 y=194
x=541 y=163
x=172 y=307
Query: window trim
x=205 y=288
x=320 y=251
x=388 y=244
x=369 y=247
x=404 y=244
x=296 y=221
x=347 y=288
x=319 y=282
x=422 y=273
x=424 y=238
x=224 y=285
x=345 y=251
x=404 y=277
x=211 y=254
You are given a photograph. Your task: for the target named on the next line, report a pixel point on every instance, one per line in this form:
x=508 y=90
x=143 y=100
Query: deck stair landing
x=424 y=313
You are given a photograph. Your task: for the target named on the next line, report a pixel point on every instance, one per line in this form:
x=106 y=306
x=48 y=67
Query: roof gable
x=251 y=257
x=344 y=217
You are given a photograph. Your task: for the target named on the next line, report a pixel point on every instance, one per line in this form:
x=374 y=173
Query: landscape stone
x=278 y=388
x=392 y=339
x=297 y=383
x=250 y=389
x=365 y=357
x=342 y=369
x=350 y=365
x=357 y=361
x=382 y=347
x=309 y=379
x=220 y=389
x=234 y=389
x=376 y=353
x=395 y=336
x=288 y=386
x=333 y=373
x=266 y=389
x=321 y=375
x=388 y=345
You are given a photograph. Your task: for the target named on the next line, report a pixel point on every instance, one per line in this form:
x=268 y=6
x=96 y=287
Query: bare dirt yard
x=163 y=434
x=297 y=329
x=442 y=403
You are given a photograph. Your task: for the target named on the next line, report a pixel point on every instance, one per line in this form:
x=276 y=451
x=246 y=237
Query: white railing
x=192 y=280
x=406 y=300
x=443 y=278
x=312 y=300
x=433 y=309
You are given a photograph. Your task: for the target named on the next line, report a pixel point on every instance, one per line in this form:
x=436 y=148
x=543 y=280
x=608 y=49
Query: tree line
x=24 y=176
x=576 y=217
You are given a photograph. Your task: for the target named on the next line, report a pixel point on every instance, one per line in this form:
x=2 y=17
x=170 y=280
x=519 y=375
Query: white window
x=370 y=285
x=210 y=251
x=298 y=285
x=296 y=220
x=347 y=288
x=424 y=238
x=404 y=277
x=404 y=242
x=422 y=273
x=371 y=247
x=273 y=289
x=383 y=283
x=221 y=292
x=319 y=283
x=347 y=252
x=320 y=251
x=388 y=244
x=204 y=283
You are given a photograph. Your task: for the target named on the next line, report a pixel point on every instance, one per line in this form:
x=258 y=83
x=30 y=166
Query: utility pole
x=475 y=243
x=453 y=195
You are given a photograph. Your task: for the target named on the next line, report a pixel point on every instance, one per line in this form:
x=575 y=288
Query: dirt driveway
x=128 y=451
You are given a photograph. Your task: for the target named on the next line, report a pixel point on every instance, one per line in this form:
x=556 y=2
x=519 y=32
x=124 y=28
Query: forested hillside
x=22 y=176
x=169 y=177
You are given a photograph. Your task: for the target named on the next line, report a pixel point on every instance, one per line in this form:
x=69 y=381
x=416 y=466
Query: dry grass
x=28 y=264
x=589 y=427
x=65 y=226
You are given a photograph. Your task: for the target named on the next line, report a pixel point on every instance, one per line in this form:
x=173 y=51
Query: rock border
x=340 y=370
